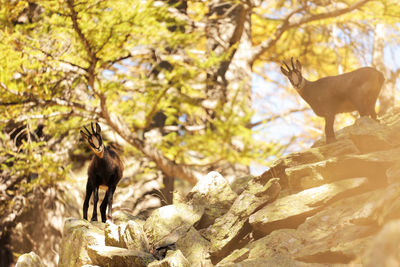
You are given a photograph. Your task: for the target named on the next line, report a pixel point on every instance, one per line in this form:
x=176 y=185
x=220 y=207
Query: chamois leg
x=103 y=206
x=110 y=201
x=89 y=190
x=95 y=199
x=329 y=132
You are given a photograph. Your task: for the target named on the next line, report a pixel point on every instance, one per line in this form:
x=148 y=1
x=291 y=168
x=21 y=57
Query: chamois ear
x=285 y=72
x=298 y=65
x=98 y=129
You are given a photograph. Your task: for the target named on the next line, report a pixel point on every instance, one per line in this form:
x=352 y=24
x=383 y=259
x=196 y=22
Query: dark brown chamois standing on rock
x=328 y=96
x=104 y=172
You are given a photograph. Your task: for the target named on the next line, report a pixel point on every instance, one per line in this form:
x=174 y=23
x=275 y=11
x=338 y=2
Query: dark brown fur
x=105 y=170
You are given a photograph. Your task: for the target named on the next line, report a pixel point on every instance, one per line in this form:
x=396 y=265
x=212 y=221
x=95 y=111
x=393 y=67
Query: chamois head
x=94 y=139
x=294 y=74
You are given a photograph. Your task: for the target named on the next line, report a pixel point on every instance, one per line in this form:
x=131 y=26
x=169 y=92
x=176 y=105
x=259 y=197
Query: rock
x=393 y=173
x=337 y=234
x=173 y=259
x=29 y=260
x=225 y=233
x=77 y=236
x=279 y=260
x=369 y=135
x=292 y=210
x=312 y=155
x=372 y=165
x=239 y=184
x=214 y=193
x=121 y=217
x=384 y=249
x=111 y=233
x=195 y=249
x=133 y=237
x=118 y=257
x=169 y=223
x=280 y=243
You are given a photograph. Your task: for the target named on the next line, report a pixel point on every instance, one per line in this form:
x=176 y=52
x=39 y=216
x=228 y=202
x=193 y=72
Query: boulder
x=238 y=185
x=278 y=260
x=29 y=260
x=132 y=236
x=121 y=217
x=78 y=235
x=118 y=257
x=336 y=235
x=111 y=233
x=369 y=135
x=128 y=235
x=312 y=155
x=393 y=173
x=372 y=165
x=384 y=248
x=292 y=210
x=228 y=230
x=169 y=223
x=214 y=193
x=174 y=258
x=195 y=249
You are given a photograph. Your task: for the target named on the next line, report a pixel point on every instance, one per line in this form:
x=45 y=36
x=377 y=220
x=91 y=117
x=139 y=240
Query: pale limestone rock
x=111 y=233
x=337 y=234
x=29 y=260
x=292 y=210
x=77 y=236
x=372 y=165
x=195 y=249
x=118 y=257
x=228 y=230
x=174 y=258
x=369 y=135
x=214 y=193
x=132 y=236
x=169 y=223
x=312 y=155
x=384 y=248
x=121 y=217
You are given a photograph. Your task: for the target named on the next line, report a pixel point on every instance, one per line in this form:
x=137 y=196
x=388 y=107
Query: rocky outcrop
x=229 y=230
x=291 y=210
x=331 y=204
x=30 y=260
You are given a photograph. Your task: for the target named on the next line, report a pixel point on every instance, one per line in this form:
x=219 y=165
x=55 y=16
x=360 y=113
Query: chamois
x=328 y=96
x=105 y=171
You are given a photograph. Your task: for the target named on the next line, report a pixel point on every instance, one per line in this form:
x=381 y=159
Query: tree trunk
x=386 y=98
x=229 y=83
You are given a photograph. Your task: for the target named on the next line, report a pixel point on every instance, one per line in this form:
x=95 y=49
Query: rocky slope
x=331 y=204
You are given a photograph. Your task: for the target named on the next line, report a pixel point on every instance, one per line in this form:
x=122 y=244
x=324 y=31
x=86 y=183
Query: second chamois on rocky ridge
x=328 y=96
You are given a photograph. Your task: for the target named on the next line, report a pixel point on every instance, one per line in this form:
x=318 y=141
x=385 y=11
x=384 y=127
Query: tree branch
x=167 y=166
x=286 y=25
x=274 y=117
x=92 y=55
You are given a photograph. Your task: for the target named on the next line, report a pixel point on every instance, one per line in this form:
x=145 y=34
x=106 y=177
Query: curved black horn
x=286 y=65
x=87 y=131
x=91 y=125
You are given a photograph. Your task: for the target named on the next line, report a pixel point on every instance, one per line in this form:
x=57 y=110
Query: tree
x=172 y=78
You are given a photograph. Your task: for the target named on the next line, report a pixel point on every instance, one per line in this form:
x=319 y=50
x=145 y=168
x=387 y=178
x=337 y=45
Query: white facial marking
x=95 y=141
x=295 y=79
